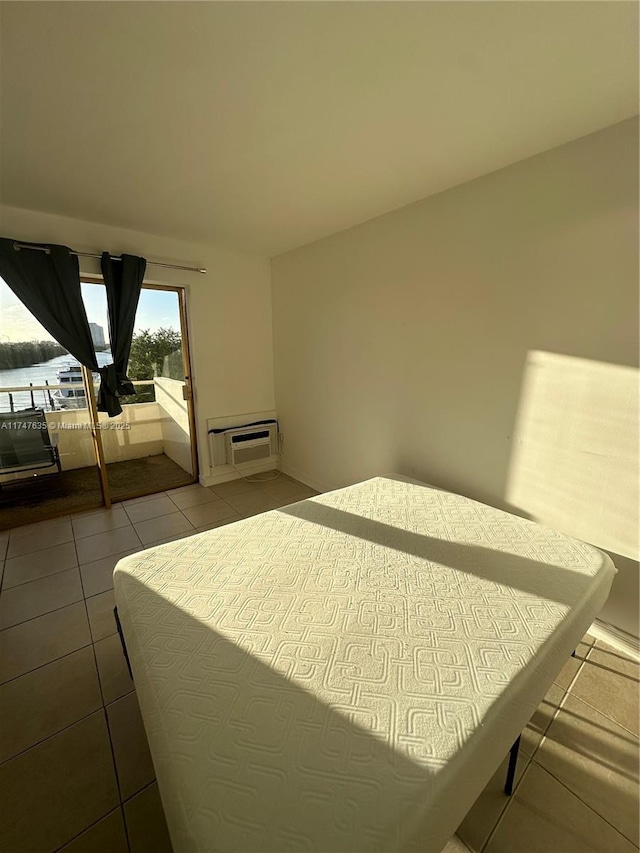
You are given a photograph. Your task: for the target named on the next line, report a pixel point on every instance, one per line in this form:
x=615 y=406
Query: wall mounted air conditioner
x=251 y=444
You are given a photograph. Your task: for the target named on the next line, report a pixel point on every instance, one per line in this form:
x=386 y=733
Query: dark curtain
x=123 y=279
x=48 y=284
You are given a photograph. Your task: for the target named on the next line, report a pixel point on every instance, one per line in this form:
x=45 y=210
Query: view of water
x=37 y=374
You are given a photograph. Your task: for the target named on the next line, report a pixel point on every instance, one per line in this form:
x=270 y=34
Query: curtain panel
x=123 y=280
x=48 y=285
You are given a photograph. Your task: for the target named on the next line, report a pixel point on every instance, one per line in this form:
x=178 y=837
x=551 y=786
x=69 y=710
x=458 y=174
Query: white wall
x=174 y=414
x=402 y=344
x=229 y=308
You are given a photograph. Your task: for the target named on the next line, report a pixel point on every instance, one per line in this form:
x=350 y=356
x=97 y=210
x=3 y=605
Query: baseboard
x=615 y=637
x=227 y=472
x=302 y=478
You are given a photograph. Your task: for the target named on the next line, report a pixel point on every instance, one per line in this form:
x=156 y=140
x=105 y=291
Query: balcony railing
x=145 y=428
x=48 y=402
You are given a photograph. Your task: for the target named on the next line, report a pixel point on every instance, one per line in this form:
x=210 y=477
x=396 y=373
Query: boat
x=74 y=396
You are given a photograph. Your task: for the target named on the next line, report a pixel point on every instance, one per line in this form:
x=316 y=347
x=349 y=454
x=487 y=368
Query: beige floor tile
x=31 y=567
x=146 y=823
x=42 y=534
x=609 y=682
x=130 y=747
x=192 y=496
x=233 y=487
x=573 y=664
x=115 y=680
x=541 y=720
x=544 y=817
x=47 y=700
x=134 y=501
x=287 y=490
x=100 y=611
x=102 y=545
x=272 y=476
x=455 y=845
x=151 y=509
x=175 y=538
x=161 y=528
x=40 y=641
x=4 y=544
x=99 y=521
x=483 y=815
x=106 y=836
x=38 y=597
x=598 y=761
x=55 y=790
x=208 y=513
x=180 y=489
x=97 y=576
x=252 y=503
x=223 y=523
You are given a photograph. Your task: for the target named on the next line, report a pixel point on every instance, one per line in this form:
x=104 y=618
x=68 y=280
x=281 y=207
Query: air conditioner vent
x=251 y=453
x=250 y=444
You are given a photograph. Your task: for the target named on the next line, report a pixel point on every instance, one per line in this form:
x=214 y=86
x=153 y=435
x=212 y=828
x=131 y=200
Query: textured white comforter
x=346 y=673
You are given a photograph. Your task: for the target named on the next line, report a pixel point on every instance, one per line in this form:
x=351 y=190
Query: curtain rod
x=18 y=246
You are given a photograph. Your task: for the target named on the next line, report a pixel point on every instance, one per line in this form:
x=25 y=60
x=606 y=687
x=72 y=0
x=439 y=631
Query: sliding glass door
x=150 y=446
x=57 y=454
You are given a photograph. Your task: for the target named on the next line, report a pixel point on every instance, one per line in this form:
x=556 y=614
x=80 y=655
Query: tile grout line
x=91 y=825
x=154 y=781
x=43 y=577
x=99 y=532
x=46 y=613
x=593 y=707
x=126 y=828
x=509 y=799
x=115 y=771
x=78 y=564
x=542 y=767
x=151 y=517
x=105 y=715
x=53 y=735
x=560 y=706
x=606 y=716
x=578 y=797
x=42 y=665
x=532 y=756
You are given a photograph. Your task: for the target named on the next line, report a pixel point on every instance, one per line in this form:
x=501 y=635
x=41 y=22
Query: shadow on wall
x=574 y=463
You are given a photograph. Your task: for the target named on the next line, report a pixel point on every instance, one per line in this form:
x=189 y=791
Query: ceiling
x=264 y=126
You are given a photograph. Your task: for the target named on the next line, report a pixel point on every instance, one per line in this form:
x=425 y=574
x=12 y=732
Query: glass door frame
x=181 y=292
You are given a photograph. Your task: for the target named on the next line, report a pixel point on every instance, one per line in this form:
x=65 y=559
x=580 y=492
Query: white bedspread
x=345 y=674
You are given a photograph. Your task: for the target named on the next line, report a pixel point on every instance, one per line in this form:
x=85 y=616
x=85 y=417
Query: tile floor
x=75 y=770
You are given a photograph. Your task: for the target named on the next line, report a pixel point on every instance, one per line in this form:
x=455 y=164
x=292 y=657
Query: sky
x=156 y=309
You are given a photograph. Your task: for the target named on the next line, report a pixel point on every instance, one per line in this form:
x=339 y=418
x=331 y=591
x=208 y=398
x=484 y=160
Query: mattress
x=345 y=674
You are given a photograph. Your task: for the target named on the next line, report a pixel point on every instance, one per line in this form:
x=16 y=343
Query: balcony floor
x=37 y=499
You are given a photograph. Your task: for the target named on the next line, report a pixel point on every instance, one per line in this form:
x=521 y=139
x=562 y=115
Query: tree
x=148 y=351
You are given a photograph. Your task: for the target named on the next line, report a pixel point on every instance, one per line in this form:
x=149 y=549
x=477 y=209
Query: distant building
x=97 y=335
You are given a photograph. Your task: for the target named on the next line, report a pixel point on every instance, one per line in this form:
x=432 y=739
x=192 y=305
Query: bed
x=345 y=674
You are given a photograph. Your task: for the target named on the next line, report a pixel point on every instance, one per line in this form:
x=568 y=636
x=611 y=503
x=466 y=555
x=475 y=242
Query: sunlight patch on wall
x=574 y=464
